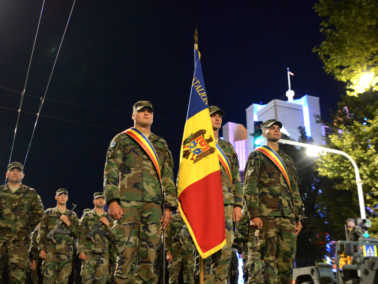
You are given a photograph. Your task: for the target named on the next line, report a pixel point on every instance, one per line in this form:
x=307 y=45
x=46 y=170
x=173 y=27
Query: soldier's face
x=99 y=202
x=350 y=224
x=14 y=175
x=216 y=120
x=143 y=117
x=62 y=199
x=273 y=133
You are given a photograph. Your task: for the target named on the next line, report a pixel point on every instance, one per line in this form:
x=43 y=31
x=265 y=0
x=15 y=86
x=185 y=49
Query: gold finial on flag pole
x=196 y=40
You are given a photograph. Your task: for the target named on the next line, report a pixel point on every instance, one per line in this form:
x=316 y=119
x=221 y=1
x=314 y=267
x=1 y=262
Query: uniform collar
x=21 y=188
x=153 y=137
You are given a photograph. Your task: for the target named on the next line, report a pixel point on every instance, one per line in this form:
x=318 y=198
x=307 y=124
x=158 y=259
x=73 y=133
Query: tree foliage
x=350 y=49
x=355 y=130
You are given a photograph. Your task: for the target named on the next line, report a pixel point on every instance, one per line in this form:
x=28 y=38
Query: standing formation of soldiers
x=139 y=188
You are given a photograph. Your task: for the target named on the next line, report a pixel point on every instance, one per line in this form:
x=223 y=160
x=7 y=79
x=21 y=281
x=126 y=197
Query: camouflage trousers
x=36 y=275
x=94 y=269
x=158 y=264
x=137 y=234
x=216 y=265
x=253 y=259
x=245 y=262
x=56 y=268
x=234 y=268
x=182 y=261
x=278 y=245
x=16 y=254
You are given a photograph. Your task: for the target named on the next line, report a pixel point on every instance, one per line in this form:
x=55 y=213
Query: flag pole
x=288 y=78
x=201 y=275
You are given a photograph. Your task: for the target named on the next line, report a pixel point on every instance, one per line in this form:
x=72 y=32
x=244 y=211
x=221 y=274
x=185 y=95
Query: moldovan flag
x=199 y=187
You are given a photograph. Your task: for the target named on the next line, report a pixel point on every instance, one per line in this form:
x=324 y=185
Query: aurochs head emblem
x=196 y=146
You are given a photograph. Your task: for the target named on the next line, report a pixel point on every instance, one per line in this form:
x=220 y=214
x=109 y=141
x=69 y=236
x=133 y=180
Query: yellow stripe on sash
x=224 y=161
x=146 y=145
x=275 y=158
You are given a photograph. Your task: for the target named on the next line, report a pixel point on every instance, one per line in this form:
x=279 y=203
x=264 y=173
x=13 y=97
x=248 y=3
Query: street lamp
x=318 y=149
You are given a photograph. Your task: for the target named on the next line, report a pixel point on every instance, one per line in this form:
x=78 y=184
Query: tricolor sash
x=146 y=145
x=224 y=161
x=275 y=158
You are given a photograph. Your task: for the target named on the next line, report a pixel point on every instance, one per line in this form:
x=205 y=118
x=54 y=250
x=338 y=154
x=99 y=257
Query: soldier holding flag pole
x=200 y=178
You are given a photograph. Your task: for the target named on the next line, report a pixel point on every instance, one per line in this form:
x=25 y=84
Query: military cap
x=61 y=191
x=350 y=220
x=214 y=109
x=15 y=165
x=270 y=123
x=98 y=195
x=141 y=104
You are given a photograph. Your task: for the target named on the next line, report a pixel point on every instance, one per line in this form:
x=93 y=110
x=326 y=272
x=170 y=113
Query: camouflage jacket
x=177 y=236
x=354 y=233
x=102 y=243
x=232 y=190
x=20 y=212
x=33 y=248
x=131 y=176
x=64 y=243
x=265 y=190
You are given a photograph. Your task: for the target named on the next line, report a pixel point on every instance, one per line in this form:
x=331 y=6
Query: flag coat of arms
x=199 y=187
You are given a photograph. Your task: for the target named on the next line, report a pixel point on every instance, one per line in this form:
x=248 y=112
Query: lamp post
x=356 y=172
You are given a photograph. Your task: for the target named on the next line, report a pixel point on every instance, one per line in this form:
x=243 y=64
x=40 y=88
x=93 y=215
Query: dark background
x=118 y=52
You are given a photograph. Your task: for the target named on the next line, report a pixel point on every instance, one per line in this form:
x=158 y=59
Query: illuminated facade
x=292 y=114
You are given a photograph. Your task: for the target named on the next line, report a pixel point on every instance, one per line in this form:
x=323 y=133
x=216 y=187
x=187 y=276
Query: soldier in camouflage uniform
x=273 y=206
x=34 y=257
x=180 y=251
x=134 y=194
x=95 y=242
x=233 y=270
x=57 y=256
x=21 y=210
x=354 y=232
x=216 y=266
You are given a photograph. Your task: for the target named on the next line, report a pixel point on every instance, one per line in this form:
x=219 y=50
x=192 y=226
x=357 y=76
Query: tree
x=356 y=133
x=350 y=51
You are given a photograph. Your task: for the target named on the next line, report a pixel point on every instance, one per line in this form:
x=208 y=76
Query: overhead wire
x=26 y=81
x=48 y=83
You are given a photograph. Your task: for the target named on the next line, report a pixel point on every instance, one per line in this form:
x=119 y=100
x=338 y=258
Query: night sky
x=118 y=52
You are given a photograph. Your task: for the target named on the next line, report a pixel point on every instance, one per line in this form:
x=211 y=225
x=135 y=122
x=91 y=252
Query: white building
x=292 y=114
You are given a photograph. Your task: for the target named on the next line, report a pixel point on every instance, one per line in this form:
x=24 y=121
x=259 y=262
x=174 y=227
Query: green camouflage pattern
x=269 y=123
x=137 y=234
x=232 y=190
x=102 y=243
x=265 y=190
x=278 y=245
x=158 y=263
x=141 y=104
x=234 y=267
x=64 y=243
x=355 y=233
x=252 y=264
x=216 y=265
x=61 y=191
x=20 y=212
x=131 y=176
x=34 y=255
x=17 y=268
x=95 y=268
x=15 y=165
x=33 y=249
x=180 y=244
x=241 y=236
x=214 y=109
x=56 y=268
